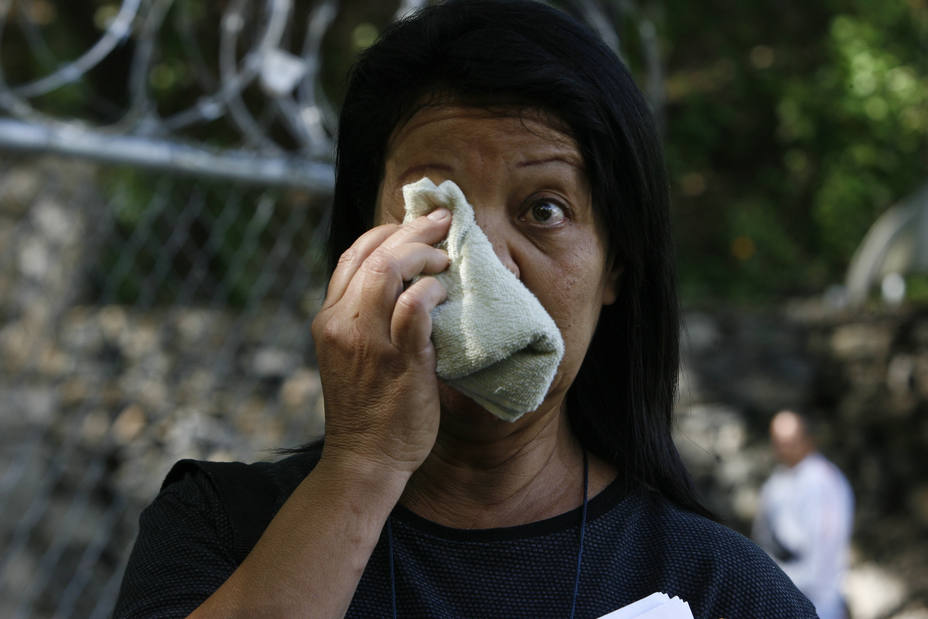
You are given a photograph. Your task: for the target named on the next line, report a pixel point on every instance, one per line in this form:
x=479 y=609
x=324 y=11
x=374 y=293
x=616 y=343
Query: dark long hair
x=523 y=53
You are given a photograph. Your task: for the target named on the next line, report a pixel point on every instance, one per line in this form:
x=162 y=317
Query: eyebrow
x=426 y=166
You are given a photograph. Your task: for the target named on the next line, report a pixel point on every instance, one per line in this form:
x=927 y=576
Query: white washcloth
x=493 y=339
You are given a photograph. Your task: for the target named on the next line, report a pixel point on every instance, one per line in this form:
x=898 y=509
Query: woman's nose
x=499 y=232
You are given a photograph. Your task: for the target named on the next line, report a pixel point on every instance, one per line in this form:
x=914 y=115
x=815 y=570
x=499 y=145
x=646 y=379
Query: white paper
x=656 y=606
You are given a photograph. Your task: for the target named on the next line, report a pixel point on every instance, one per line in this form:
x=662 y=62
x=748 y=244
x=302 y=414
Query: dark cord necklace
x=573 y=602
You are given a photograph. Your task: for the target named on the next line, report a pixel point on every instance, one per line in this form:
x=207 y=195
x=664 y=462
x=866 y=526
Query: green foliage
x=870 y=108
x=917 y=288
x=805 y=122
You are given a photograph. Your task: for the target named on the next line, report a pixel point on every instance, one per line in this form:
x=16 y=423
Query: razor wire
x=286 y=81
x=285 y=75
x=160 y=258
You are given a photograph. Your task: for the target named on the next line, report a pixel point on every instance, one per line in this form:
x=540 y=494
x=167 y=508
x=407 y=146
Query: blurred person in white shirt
x=805 y=516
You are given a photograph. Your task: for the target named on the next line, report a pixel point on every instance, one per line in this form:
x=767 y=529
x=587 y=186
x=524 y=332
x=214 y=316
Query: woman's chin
x=458 y=409
x=462 y=416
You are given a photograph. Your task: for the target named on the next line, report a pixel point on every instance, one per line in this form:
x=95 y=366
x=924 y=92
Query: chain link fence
x=164 y=185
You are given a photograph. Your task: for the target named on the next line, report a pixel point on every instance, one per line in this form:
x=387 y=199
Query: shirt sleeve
x=182 y=552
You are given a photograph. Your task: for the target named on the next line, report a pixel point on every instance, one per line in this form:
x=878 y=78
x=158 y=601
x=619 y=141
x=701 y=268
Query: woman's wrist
x=378 y=480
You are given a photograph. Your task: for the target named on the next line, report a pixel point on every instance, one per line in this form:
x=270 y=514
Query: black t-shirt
x=209 y=515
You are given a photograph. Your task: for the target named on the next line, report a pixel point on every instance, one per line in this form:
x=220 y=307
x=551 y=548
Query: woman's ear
x=612 y=279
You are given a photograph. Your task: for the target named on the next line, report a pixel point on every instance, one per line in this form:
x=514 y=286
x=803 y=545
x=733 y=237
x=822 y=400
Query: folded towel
x=494 y=341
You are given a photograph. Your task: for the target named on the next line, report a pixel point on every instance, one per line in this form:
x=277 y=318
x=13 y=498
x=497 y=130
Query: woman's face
x=526 y=181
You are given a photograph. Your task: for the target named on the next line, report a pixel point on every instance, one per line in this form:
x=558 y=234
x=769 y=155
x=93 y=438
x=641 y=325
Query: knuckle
x=327 y=331
x=329 y=334
x=425 y=225
x=317 y=326
x=320 y=324
x=441 y=257
x=419 y=222
x=382 y=262
x=411 y=304
x=347 y=257
x=437 y=289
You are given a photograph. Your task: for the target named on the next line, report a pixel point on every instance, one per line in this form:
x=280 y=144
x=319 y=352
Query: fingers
x=378 y=285
x=373 y=342
x=403 y=263
x=398 y=261
x=350 y=261
x=411 y=324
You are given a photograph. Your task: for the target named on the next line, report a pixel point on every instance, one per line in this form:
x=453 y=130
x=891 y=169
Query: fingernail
x=439 y=214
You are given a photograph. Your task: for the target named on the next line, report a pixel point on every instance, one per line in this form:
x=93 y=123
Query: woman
x=420 y=503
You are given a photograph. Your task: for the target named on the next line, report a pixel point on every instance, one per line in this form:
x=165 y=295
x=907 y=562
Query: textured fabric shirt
x=209 y=515
x=805 y=520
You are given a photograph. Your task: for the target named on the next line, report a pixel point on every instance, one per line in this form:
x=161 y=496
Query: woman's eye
x=547 y=212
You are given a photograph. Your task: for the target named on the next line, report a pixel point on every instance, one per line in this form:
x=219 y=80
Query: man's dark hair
x=493 y=53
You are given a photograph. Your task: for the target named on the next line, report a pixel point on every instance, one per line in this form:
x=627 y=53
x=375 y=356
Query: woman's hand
x=377 y=363
x=376 y=358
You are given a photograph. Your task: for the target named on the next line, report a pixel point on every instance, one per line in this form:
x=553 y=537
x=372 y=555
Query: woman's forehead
x=435 y=111
x=435 y=126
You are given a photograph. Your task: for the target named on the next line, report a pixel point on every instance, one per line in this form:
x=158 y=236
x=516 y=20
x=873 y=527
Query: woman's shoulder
x=235 y=478
x=200 y=527
x=710 y=563
x=703 y=542
x=247 y=496
x=682 y=527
